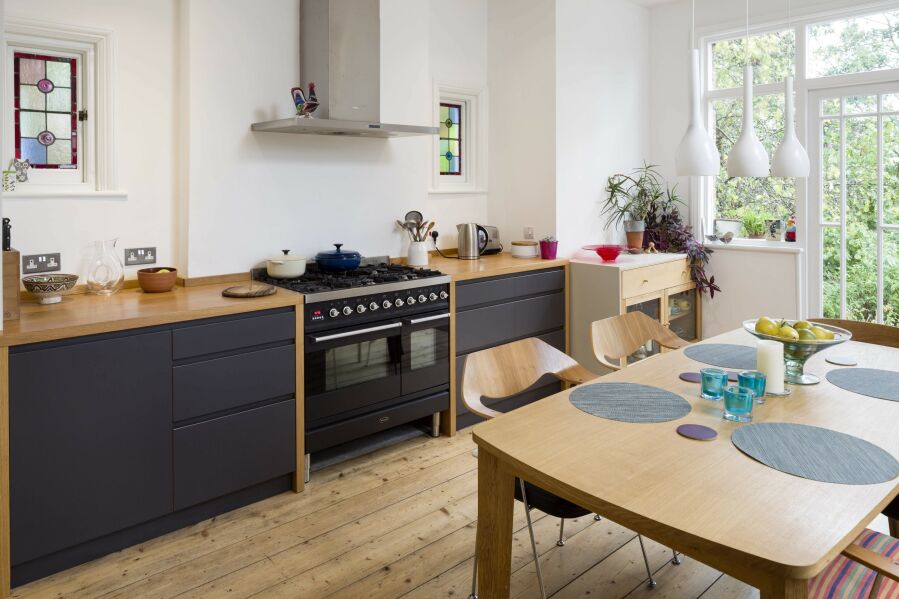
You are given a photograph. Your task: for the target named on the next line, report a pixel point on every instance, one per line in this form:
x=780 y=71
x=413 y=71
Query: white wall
x=145 y=140
x=522 y=156
x=602 y=103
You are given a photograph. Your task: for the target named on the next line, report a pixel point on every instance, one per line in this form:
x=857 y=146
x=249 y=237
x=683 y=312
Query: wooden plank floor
x=396 y=523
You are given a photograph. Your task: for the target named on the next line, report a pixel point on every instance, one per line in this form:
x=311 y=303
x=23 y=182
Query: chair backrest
x=866 y=332
x=617 y=337
x=509 y=369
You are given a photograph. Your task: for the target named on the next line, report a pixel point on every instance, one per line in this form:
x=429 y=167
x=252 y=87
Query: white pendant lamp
x=790 y=158
x=748 y=157
x=696 y=155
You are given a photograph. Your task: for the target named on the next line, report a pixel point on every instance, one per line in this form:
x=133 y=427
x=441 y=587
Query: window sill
x=65 y=195
x=756 y=245
x=458 y=191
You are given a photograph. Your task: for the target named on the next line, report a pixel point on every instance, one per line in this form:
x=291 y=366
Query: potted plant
x=548 y=248
x=629 y=200
x=754 y=226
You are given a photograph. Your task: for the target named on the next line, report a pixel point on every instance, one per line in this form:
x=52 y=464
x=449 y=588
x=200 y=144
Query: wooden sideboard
x=656 y=284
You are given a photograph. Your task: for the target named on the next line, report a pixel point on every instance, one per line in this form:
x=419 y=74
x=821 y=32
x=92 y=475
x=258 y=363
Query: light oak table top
x=490 y=266
x=85 y=314
x=706 y=499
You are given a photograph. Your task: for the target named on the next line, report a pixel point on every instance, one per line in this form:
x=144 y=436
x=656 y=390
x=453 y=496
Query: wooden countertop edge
x=155 y=316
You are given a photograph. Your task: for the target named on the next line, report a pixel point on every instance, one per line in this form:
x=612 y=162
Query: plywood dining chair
x=617 y=337
x=867 y=569
x=877 y=334
x=507 y=370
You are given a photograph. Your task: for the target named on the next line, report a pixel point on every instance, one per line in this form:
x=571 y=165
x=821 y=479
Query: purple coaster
x=842 y=360
x=694 y=377
x=697 y=431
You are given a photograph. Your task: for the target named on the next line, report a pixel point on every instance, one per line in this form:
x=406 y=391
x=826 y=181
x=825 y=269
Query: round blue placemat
x=629 y=402
x=873 y=382
x=816 y=453
x=723 y=355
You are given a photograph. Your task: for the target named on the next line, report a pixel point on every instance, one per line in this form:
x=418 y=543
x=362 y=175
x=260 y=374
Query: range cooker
x=376 y=350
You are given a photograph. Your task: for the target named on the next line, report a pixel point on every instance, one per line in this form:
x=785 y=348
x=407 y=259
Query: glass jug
x=106 y=274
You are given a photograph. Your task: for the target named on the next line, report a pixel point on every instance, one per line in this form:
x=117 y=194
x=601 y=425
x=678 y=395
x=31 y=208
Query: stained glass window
x=46 y=110
x=450 y=139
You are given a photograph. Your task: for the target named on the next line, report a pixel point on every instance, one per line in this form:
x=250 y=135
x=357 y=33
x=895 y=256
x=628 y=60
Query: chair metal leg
x=652 y=581
x=527 y=513
x=474 y=579
x=561 y=541
x=597 y=517
x=307 y=467
x=675 y=559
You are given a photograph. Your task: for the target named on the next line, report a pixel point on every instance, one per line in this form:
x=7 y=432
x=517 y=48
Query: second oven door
x=348 y=370
x=425 y=352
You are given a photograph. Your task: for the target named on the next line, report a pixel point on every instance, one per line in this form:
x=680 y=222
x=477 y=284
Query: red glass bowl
x=608 y=253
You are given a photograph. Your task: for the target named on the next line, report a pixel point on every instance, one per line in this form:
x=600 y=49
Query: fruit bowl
x=157 y=280
x=798 y=351
x=49 y=289
x=608 y=253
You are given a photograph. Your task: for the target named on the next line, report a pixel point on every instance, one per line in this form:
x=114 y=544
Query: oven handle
x=383 y=327
x=428 y=318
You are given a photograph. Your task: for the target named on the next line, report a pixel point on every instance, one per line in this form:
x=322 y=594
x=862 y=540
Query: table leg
x=495 y=503
x=788 y=589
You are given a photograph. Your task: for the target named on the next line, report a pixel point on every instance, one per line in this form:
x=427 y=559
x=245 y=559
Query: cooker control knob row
x=387 y=304
x=373 y=306
x=422 y=299
x=410 y=301
x=399 y=303
x=433 y=297
x=333 y=313
x=444 y=295
x=347 y=310
x=360 y=309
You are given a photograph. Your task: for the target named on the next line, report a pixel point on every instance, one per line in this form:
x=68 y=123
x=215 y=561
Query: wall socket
x=136 y=256
x=528 y=232
x=37 y=263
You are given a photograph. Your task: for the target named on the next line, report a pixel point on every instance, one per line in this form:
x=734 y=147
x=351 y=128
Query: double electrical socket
x=37 y=263
x=136 y=256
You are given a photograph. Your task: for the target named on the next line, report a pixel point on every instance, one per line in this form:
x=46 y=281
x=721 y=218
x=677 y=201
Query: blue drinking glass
x=755 y=380
x=738 y=403
x=713 y=382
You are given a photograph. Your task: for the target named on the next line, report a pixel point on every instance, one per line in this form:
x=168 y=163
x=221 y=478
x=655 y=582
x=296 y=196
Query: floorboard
x=399 y=522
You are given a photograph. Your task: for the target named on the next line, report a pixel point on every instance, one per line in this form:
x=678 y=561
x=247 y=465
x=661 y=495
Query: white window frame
x=96 y=175
x=702 y=200
x=474 y=153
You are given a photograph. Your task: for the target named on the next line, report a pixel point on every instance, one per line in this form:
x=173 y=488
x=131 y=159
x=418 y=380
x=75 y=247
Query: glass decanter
x=106 y=274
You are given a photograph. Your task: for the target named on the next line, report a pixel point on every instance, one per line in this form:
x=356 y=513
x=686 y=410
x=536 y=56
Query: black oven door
x=350 y=369
x=426 y=352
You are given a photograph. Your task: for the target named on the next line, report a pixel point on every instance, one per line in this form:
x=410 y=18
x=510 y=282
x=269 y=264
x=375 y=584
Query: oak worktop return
x=85 y=314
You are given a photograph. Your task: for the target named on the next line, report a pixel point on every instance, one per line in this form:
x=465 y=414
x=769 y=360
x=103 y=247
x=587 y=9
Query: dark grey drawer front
x=227 y=335
x=508 y=288
x=495 y=325
x=227 y=454
x=225 y=383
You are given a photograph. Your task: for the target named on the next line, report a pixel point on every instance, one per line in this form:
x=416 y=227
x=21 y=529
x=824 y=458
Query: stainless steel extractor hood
x=340 y=49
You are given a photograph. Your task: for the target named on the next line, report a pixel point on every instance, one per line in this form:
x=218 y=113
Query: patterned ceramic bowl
x=49 y=289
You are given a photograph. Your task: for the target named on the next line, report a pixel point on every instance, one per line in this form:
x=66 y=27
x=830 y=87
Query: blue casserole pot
x=338 y=259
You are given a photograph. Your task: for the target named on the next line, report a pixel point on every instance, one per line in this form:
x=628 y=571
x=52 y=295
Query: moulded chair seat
x=617 y=337
x=549 y=504
x=847 y=578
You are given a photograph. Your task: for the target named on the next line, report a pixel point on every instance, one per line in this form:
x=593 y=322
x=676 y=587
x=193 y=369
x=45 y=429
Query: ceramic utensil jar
x=106 y=273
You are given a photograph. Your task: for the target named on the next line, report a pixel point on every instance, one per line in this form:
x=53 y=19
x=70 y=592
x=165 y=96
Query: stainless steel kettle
x=472 y=241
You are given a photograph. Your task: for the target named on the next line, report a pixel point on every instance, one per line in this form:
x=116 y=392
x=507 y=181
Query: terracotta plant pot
x=634 y=239
x=153 y=281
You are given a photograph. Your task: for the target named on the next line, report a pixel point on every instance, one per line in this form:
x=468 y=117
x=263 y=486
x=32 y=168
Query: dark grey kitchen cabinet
x=498 y=310
x=90 y=439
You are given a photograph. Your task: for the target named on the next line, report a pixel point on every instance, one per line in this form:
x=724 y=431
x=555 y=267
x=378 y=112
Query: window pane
x=764 y=197
x=891 y=102
x=450 y=147
x=891 y=170
x=772 y=55
x=830 y=170
x=45 y=118
x=891 y=277
x=854 y=45
x=861 y=218
x=830 y=107
x=859 y=104
x=831 y=270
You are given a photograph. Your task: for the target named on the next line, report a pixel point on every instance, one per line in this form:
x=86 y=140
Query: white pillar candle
x=770 y=360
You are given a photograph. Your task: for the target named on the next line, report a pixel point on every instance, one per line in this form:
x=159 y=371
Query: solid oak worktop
x=490 y=266
x=86 y=314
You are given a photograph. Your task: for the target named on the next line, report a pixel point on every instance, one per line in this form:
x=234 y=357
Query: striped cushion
x=846 y=579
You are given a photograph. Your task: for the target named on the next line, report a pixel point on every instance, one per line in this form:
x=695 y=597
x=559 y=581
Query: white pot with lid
x=285 y=266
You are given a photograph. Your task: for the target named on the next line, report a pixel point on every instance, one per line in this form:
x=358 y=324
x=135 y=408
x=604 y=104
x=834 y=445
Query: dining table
x=705 y=499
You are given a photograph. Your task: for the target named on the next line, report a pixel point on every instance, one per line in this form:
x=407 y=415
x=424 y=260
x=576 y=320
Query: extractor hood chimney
x=340 y=50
